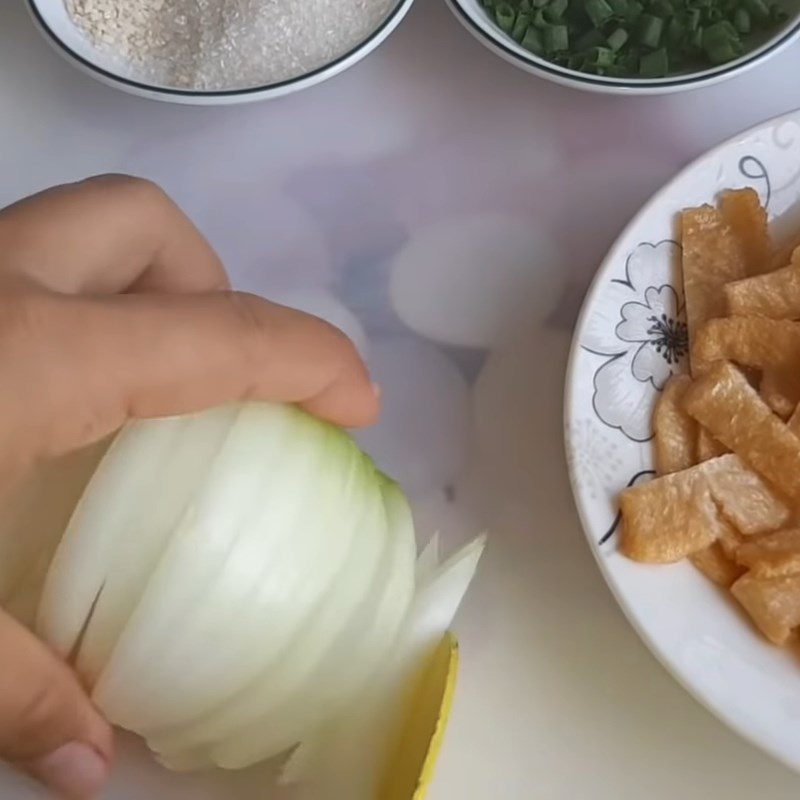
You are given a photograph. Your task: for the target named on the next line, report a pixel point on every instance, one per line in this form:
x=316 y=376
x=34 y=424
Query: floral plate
x=631 y=336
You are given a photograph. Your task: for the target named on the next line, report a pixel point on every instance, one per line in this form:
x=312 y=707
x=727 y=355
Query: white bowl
x=613 y=381
x=53 y=20
x=476 y=20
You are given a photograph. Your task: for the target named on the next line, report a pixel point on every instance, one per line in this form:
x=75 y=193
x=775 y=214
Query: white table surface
x=401 y=170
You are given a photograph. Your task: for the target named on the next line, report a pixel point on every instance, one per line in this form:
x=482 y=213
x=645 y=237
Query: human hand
x=113 y=306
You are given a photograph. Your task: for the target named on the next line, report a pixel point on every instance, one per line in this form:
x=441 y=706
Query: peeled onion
x=233 y=583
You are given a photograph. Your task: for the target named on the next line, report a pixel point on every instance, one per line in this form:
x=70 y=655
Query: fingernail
x=75 y=771
x=376 y=390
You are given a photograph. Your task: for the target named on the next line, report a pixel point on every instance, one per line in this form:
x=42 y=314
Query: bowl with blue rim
x=633 y=46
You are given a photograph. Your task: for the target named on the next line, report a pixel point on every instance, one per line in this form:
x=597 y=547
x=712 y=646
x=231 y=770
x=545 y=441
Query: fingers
x=95 y=362
x=48 y=726
x=105 y=235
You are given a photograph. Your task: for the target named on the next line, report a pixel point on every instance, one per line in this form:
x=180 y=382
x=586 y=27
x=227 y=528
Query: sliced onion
x=140 y=543
x=428 y=560
x=33 y=514
x=357 y=582
x=118 y=500
x=235 y=584
x=357 y=655
x=180 y=599
x=353 y=752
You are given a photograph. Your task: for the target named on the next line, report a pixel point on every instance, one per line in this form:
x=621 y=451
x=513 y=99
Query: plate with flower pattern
x=630 y=338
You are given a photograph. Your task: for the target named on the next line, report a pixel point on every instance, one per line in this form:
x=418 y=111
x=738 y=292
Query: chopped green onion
x=721 y=53
x=758 y=8
x=533 y=41
x=661 y=8
x=630 y=62
x=602 y=56
x=634 y=10
x=592 y=38
x=539 y=20
x=599 y=11
x=617 y=39
x=718 y=33
x=654 y=65
x=555 y=9
x=637 y=38
x=676 y=31
x=555 y=38
x=720 y=43
x=650 y=29
x=505 y=15
x=741 y=19
x=695 y=41
x=520 y=26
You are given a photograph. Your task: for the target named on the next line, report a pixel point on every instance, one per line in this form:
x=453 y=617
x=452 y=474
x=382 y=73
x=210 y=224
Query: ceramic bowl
x=53 y=20
x=475 y=19
x=619 y=363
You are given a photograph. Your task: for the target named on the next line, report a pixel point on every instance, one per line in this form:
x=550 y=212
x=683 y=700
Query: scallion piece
x=655 y=64
x=719 y=33
x=555 y=39
x=602 y=56
x=539 y=20
x=505 y=15
x=630 y=62
x=721 y=53
x=555 y=9
x=721 y=42
x=592 y=38
x=695 y=41
x=661 y=8
x=758 y=8
x=532 y=40
x=650 y=29
x=599 y=11
x=741 y=19
x=634 y=11
x=617 y=39
x=676 y=31
x=520 y=26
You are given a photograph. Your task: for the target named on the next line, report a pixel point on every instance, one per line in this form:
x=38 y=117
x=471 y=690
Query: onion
x=33 y=514
x=234 y=583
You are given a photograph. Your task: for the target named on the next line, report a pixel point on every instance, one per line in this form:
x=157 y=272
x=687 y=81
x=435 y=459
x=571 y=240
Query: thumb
x=48 y=726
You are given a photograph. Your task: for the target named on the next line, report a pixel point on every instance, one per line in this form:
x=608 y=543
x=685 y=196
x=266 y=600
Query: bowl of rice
x=215 y=52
